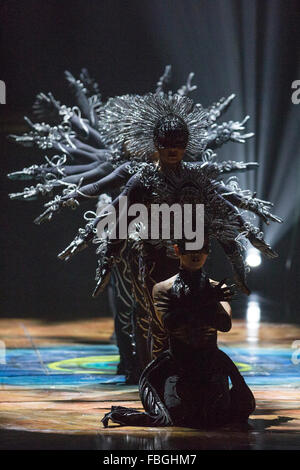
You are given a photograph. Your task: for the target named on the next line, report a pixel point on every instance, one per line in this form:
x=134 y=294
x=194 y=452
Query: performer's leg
x=141 y=326
x=162 y=267
x=122 y=312
x=140 y=320
x=150 y=337
x=151 y=393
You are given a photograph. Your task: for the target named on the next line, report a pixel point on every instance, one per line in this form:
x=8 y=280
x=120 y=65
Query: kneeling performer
x=187 y=385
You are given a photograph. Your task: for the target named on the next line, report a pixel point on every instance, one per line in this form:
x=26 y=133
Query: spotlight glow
x=253 y=258
x=253 y=313
x=253 y=321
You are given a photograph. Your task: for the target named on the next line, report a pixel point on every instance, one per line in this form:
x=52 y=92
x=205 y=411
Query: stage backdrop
x=247 y=47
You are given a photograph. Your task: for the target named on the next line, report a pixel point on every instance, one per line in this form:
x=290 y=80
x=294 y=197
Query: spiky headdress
x=131 y=120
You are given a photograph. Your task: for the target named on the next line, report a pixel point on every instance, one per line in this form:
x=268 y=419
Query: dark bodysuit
x=187 y=385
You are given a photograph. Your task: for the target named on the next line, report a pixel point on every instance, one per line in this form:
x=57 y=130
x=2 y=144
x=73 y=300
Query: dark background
x=247 y=47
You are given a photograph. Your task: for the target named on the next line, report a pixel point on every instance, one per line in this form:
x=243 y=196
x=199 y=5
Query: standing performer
x=187 y=385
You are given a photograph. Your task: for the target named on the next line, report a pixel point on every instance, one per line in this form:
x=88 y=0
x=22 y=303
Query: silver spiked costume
x=118 y=134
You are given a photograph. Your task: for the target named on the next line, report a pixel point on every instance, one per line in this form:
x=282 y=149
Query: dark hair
x=171 y=132
x=181 y=246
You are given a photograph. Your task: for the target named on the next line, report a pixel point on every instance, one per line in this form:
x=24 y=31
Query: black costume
x=187 y=385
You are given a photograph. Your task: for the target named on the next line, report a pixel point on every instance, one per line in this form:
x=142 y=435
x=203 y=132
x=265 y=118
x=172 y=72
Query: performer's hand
x=46 y=107
x=29 y=194
x=229 y=166
x=219 y=293
x=241 y=165
x=52 y=207
x=46 y=215
x=38 y=135
x=80 y=242
x=165 y=303
x=109 y=253
x=262 y=246
x=32 y=172
x=217 y=109
x=262 y=209
x=249 y=165
x=236 y=127
x=103 y=276
x=188 y=87
x=27 y=139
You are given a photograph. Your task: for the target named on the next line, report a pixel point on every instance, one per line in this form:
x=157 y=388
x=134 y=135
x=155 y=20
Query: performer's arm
x=107 y=183
x=113 y=247
x=215 y=308
x=78 y=150
x=212 y=307
x=109 y=248
x=217 y=135
x=259 y=207
x=46 y=103
x=170 y=312
x=87 y=130
x=219 y=315
x=229 y=166
x=93 y=174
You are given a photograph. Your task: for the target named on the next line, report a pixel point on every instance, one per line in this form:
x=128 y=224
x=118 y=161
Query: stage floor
x=58 y=379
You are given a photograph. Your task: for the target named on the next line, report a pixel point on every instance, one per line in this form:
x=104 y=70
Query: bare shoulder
x=163 y=286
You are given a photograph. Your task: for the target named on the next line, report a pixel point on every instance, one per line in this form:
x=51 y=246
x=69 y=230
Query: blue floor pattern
x=82 y=365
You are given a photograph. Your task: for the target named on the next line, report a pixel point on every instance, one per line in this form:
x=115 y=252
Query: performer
x=187 y=385
x=108 y=124
x=173 y=126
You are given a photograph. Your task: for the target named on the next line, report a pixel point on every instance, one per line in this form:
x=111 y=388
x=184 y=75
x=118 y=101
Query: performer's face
x=192 y=260
x=171 y=156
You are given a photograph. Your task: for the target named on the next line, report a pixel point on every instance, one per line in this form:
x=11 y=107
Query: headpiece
x=142 y=121
x=170 y=132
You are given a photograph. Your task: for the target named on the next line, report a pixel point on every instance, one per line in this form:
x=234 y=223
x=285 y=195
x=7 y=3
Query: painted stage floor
x=58 y=379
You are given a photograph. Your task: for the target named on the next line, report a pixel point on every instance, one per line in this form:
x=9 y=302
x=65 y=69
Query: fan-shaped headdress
x=132 y=120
